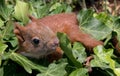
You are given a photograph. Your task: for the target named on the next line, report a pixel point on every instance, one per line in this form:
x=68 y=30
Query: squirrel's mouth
x=39 y=53
x=36 y=55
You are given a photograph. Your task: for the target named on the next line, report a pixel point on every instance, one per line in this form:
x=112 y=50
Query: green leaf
x=96 y=62
x=59 y=7
x=25 y=63
x=39 y=8
x=55 y=70
x=1 y=23
x=117 y=71
x=91 y=25
x=8 y=35
x=105 y=18
x=103 y=53
x=80 y=72
x=79 y=52
x=67 y=48
x=8 y=30
x=21 y=11
x=84 y=16
x=2 y=49
x=68 y=9
x=1 y=72
x=56 y=5
x=116 y=27
x=104 y=56
x=6 y=12
x=103 y=59
x=13 y=41
x=110 y=21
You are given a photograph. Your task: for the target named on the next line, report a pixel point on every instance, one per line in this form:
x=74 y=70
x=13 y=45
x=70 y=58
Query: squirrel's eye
x=35 y=41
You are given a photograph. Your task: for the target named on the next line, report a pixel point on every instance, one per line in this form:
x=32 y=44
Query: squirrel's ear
x=32 y=18
x=19 y=32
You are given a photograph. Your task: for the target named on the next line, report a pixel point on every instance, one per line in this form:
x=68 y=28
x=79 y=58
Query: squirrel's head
x=35 y=39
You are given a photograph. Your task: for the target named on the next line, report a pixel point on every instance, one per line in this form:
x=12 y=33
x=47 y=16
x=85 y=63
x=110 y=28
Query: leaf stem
x=115 y=11
x=84 y=4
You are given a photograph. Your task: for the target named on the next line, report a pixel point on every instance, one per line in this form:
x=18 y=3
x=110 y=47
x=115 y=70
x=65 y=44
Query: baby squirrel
x=38 y=38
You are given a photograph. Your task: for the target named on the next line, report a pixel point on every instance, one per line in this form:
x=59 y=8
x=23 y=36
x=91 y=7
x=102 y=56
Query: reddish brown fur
x=66 y=23
x=116 y=44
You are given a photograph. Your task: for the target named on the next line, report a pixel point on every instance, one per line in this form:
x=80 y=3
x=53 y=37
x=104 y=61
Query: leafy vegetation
x=102 y=26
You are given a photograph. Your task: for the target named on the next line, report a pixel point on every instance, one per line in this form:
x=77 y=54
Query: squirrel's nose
x=56 y=42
